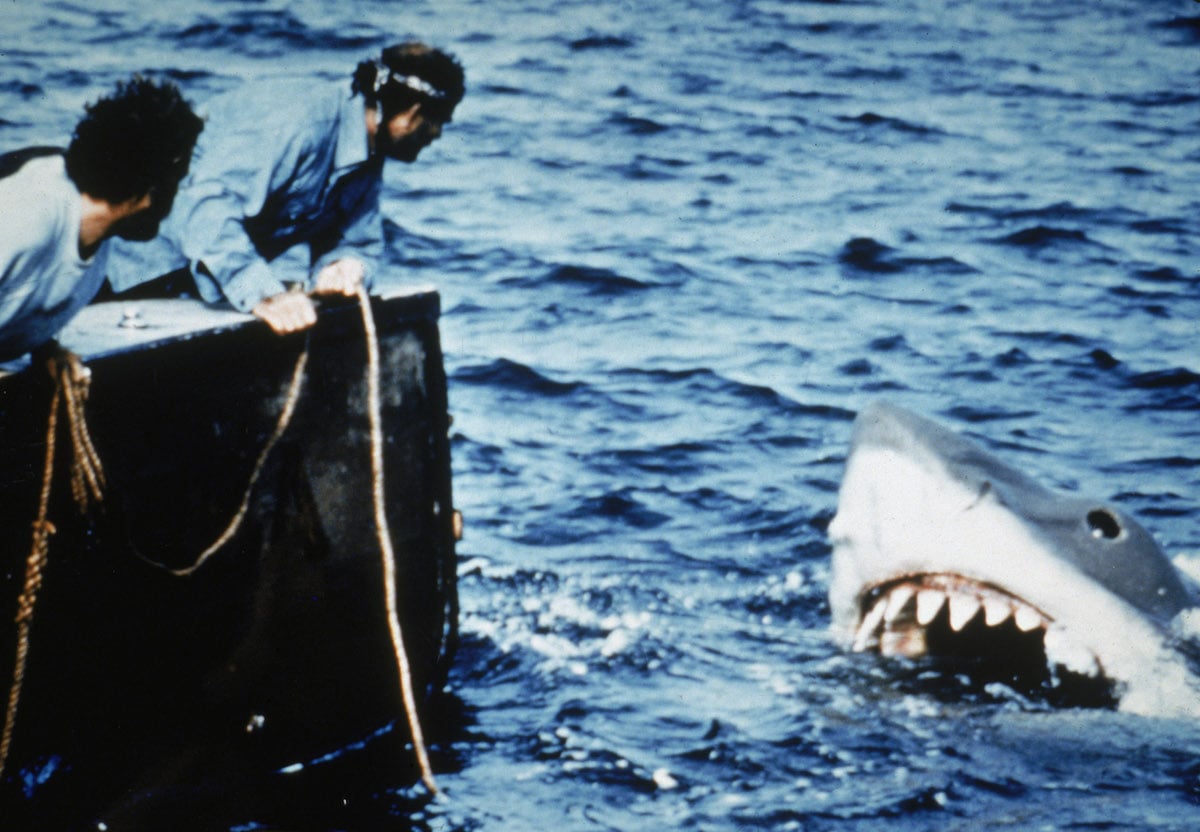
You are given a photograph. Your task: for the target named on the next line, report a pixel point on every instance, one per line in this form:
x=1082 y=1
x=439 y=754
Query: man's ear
x=410 y=114
x=132 y=205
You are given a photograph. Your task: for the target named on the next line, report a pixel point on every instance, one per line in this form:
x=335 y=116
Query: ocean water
x=678 y=246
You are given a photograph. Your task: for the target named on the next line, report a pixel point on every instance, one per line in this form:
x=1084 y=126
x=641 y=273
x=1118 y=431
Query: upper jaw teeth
x=962 y=609
x=996 y=610
x=895 y=621
x=929 y=604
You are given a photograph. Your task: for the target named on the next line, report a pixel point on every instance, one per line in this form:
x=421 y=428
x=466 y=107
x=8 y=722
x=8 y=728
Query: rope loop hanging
x=281 y=426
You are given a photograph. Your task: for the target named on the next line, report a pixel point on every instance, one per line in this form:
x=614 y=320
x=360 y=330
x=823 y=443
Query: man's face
x=147 y=212
x=404 y=135
x=142 y=222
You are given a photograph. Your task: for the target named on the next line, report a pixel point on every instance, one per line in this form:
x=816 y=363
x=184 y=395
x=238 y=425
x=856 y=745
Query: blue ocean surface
x=679 y=245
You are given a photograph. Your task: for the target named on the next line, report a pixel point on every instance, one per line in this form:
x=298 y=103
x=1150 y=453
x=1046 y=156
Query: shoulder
x=35 y=202
x=273 y=102
x=264 y=116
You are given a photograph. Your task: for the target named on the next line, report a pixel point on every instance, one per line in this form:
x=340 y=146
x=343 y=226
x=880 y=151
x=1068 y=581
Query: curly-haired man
x=58 y=209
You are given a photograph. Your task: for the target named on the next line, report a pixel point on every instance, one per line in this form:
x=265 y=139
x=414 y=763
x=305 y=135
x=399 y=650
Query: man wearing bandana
x=284 y=163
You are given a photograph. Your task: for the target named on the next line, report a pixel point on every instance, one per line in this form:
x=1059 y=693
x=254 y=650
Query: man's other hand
x=287 y=312
x=341 y=277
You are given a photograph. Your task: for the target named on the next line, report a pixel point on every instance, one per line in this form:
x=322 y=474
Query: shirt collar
x=352 y=133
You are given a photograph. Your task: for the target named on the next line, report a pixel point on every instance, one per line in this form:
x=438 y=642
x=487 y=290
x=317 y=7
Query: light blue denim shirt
x=280 y=163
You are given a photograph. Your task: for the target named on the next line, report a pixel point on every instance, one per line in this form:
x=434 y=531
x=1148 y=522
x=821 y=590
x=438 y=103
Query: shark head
x=941 y=549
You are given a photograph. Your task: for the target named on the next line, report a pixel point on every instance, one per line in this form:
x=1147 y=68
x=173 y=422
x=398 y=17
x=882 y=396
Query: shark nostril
x=1103 y=524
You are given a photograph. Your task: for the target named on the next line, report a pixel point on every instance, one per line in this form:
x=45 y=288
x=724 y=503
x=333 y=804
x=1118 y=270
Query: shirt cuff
x=251 y=285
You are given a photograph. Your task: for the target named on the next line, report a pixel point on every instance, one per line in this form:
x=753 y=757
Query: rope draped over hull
x=71 y=382
x=374 y=410
x=71 y=379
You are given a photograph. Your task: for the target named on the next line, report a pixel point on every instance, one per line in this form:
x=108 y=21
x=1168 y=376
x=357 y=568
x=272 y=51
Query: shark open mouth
x=978 y=577
x=980 y=629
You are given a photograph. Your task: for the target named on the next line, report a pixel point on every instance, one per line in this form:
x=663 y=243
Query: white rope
x=385 y=541
x=285 y=419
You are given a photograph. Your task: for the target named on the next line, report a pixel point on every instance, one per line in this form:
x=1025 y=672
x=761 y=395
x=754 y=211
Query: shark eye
x=1103 y=524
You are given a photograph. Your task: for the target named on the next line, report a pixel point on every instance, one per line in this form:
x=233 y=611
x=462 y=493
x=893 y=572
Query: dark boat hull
x=276 y=651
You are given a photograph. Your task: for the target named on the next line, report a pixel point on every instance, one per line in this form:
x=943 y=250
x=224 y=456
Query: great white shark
x=941 y=549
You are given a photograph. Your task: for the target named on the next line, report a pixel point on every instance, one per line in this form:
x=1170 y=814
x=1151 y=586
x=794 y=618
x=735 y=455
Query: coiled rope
x=71 y=383
x=87 y=477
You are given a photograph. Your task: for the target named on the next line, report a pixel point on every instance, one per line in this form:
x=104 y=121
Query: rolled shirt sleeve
x=360 y=235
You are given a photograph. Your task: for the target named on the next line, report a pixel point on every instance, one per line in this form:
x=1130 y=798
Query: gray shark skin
x=939 y=548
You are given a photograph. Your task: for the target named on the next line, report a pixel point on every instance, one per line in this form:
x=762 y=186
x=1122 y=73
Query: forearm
x=225 y=261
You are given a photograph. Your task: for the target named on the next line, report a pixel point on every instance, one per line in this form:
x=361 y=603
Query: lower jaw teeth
x=909 y=643
x=1061 y=652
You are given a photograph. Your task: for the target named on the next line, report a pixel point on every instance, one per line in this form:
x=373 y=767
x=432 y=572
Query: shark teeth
x=962 y=609
x=870 y=624
x=996 y=610
x=897 y=602
x=1028 y=619
x=929 y=604
x=900 y=613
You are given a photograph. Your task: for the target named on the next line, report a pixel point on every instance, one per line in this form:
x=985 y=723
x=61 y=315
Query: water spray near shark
x=942 y=550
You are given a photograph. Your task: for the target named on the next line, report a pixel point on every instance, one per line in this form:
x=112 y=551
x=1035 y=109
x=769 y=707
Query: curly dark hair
x=136 y=141
x=439 y=69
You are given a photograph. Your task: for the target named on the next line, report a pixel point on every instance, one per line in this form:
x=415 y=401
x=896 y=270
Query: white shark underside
x=939 y=546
